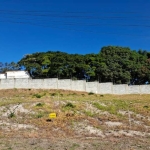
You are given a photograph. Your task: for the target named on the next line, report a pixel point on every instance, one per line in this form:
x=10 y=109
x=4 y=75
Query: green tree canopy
x=116 y=64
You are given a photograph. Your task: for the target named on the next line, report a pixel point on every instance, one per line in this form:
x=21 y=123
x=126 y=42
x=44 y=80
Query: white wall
x=120 y=89
x=78 y=85
x=134 y=89
x=64 y=84
x=36 y=83
x=21 y=83
x=105 y=88
x=51 y=83
x=144 y=89
x=92 y=87
x=7 y=84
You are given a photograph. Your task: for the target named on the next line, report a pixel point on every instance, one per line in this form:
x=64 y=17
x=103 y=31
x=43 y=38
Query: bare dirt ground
x=85 y=121
x=111 y=143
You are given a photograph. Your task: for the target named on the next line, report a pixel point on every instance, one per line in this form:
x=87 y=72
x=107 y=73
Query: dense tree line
x=119 y=65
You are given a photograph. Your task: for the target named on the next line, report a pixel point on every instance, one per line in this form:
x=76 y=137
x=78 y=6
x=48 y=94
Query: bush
x=39 y=105
x=11 y=115
x=69 y=105
x=90 y=93
x=39 y=115
x=37 y=95
x=53 y=94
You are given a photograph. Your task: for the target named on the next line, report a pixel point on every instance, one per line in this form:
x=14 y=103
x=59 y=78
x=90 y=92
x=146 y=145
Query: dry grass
x=76 y=111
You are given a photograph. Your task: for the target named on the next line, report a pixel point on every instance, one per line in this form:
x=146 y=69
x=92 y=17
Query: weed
x=111 y=108
x=90 y=93
x=43 y=94
x=98 y=106
x=12 y=112
x=37 y=95
x=61 y=94
x=89 y=113
x=11 y=115
x=145 y=107
x=69 y=105
x=39 y=115
x=39 y=104
x=53 y=94
x=74 y=93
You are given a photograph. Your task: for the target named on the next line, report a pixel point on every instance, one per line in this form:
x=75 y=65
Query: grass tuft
x=70 y=105
x=90 y=93
x=40 y=104
x=37 y=95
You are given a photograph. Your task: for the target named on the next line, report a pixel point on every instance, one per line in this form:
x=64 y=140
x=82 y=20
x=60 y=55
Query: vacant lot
x=84 y=121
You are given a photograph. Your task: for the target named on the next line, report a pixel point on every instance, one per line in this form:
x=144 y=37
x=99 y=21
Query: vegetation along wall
x=74 y=85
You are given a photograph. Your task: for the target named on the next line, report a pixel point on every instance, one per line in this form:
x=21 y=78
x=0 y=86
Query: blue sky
x=72 y=26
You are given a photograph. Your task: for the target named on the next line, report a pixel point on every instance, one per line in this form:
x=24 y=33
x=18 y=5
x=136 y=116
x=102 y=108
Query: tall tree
x=119 y=65
x=9 y=67
x=115 y=61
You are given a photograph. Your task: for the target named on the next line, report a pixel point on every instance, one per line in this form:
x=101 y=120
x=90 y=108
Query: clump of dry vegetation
x=24 y=113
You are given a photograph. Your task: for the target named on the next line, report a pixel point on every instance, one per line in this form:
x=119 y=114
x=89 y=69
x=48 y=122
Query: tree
x=113 y=67
x=119 y=65
x=9 y=67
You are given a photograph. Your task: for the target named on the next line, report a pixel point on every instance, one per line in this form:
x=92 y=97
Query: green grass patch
x=54 y=94
x=37 y=95
x=40 y=104
x=39 y=115
x=89 y=113
x=69 y=106
x=99 y=106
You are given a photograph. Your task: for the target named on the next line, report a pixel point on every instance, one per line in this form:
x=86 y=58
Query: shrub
x=11 y=115
x=39 y=115
x=89 y=113
x=145 y=107
x=53 y=94
x=37 y=95
x=69 y=105
x=39 y=105
x=90 y=93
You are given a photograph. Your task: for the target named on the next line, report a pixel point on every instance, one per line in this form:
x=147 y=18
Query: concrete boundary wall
x=120 y=89
x=134 y=89
x=7 y=84
x=64 y=84
x=105 y=88
x=78 y=85
x=21 y=83
x=74 y=85
x=92 y=87
x=36 y=84
x=144 y=89
x=51 y=83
